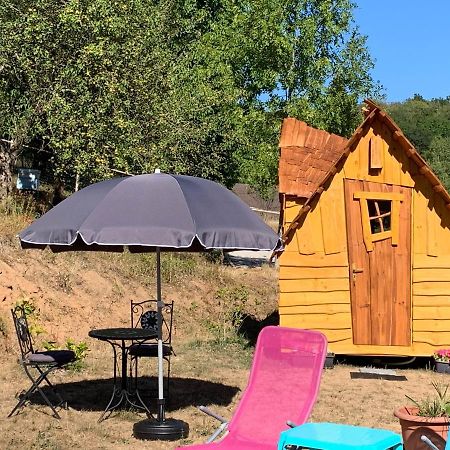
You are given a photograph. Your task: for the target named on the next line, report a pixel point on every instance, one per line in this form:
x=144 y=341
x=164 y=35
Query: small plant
x=81 y=349
x=232 y=304
x=442 y=355
x=437 y=406
x=32 y=315
x=64 y=282
x=50 y=345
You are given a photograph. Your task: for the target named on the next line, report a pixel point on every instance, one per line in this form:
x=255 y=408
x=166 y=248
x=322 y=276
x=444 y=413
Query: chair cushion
x=149 y=350
x=51 y=357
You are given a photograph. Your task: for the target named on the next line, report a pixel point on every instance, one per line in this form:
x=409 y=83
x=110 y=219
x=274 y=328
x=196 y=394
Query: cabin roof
x=309 y=157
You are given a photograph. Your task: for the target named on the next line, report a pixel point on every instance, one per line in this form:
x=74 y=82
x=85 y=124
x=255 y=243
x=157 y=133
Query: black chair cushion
x=149 y=350
x=52 y=357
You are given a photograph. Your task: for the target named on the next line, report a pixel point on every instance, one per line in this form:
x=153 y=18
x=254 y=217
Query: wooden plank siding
x=396 y=165
x=314 y=268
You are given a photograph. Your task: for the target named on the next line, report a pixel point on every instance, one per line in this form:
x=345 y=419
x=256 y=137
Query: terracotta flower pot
x=413 y=427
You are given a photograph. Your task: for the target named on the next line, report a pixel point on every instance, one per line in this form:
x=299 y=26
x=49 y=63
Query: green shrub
x=80 y=349
x=232 y=303
x=32 y=315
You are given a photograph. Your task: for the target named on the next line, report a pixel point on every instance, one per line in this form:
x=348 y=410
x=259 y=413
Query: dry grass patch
x=203 y=373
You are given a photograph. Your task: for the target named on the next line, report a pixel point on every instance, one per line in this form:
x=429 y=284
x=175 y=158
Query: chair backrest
x=283 y=384
x=144 y=314
x=22 y=330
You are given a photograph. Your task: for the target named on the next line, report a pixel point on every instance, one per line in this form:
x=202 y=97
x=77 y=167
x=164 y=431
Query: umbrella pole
x=160 y=428
x=160 y=305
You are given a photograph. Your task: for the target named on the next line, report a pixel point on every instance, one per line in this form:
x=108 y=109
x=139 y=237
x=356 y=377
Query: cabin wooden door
x=379 y=247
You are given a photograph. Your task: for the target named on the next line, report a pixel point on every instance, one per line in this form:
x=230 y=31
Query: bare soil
x=74 y=293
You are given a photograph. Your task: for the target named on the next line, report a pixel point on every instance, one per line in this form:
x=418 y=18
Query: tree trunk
x=58 y=192
x=6 y=166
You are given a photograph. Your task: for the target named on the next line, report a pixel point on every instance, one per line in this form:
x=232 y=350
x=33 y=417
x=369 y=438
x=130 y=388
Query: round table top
x=122 y=333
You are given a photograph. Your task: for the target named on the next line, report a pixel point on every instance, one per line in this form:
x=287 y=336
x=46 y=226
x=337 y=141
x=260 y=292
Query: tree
x=84 y=78
x=426 y=123
x=192 y=87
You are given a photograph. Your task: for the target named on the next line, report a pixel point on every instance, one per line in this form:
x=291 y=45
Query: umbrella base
x=165 y=430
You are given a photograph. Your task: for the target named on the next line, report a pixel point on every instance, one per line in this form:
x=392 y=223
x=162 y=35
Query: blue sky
x=410 y=41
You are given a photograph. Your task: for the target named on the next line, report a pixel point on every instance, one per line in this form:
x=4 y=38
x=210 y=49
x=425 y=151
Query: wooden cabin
x=366 y=224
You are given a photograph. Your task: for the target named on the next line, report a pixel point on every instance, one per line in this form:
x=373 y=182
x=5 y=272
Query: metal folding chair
x=37 y=365
x=144 y=314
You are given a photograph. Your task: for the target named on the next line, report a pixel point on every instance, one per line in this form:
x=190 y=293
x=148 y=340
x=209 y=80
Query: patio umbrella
x=151 y=213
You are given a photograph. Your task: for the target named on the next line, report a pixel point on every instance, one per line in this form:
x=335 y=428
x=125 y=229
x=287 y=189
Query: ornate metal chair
x=144 y=314
x=37 y=365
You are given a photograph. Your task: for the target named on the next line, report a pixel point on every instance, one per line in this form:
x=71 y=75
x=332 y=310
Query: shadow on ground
x=385 y=362
x=93 y=395
x=250 y=327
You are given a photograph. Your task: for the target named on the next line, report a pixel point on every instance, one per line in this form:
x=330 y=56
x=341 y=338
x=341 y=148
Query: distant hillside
x=426 y=123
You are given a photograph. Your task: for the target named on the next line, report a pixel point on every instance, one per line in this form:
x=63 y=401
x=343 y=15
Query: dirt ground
x=75 y=293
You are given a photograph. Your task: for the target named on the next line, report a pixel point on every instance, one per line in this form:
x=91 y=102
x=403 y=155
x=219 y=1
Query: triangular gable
x=301 y=145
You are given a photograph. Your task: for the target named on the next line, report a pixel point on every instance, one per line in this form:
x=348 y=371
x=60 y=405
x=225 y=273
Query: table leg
x=116 y=392
x=122 y=393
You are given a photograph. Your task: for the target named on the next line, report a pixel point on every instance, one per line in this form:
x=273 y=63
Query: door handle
x=356 y=270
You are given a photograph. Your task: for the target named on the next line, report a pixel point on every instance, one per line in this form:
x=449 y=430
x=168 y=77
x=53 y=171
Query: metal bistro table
x=117 y=337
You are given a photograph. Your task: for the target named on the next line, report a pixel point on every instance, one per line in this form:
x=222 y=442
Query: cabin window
x=380 y=216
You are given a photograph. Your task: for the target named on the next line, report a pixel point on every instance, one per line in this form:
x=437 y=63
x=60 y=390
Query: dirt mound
x=75 y=292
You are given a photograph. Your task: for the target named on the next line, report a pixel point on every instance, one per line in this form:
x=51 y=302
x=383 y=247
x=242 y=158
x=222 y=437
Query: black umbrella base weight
x=165 y=430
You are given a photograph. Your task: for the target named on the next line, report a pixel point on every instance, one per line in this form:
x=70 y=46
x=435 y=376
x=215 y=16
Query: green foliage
x=437 y=406
x=192 y=87
x=232 y=303
x=32 y=315
x=50 y=345
x=426 y=123
x=80 y=349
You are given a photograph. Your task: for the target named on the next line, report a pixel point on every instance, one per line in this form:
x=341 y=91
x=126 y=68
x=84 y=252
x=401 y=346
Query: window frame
x=369 y=238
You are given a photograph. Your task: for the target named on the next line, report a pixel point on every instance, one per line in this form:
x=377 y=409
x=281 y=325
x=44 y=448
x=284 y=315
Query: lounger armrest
x=428 y=442
x=223 y=423
x=212 y=414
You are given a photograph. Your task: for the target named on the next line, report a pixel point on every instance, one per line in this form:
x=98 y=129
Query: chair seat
x=150 y=350
x=335 y=436
x=51 y=357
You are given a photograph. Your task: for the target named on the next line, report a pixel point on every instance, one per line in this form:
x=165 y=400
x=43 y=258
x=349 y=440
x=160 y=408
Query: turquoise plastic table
x=333 y=436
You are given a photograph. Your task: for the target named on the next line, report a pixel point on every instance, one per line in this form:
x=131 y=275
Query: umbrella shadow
x=93 y=395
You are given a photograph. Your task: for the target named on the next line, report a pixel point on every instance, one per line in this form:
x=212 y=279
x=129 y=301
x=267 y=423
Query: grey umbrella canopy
x=173 y=212
x=152 y=213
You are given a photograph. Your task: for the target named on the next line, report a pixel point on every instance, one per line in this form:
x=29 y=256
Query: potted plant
x=428 y=417
x=442 y=360
x=329 y=360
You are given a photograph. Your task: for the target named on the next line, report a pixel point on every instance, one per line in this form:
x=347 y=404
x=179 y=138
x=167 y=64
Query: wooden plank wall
x=314 y=272
x=431 y=269
x=314 y=287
